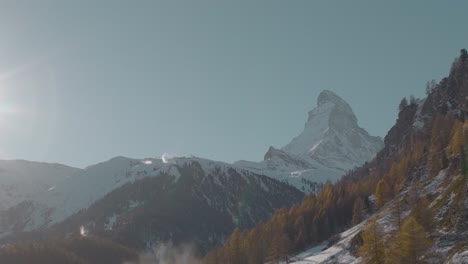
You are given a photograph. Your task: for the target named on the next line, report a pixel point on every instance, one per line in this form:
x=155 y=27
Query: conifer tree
x=403 y=104
x=279 y=248
x=358 y=211
x=463 y=55
x=372 y=250
x=233 y=247
x=382 y=193
x=423 y=213
x=456 y=139
x=411 y=243
x=396 y=213
x=254 y=247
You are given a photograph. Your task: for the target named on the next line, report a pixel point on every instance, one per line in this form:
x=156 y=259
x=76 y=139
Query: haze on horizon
x=82 y=82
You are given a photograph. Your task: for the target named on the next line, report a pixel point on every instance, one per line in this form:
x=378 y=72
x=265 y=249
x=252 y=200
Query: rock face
x=331 y=144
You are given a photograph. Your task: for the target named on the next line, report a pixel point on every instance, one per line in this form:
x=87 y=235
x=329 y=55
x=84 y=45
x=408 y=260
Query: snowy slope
x=21 y=180
x=330 y=144
x=56 y=191
x=84 y=188
x=460 y=258
x=79 y=190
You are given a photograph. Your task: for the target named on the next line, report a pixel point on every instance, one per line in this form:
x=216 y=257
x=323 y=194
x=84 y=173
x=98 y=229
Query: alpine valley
x=334 y=194
x=142 y=202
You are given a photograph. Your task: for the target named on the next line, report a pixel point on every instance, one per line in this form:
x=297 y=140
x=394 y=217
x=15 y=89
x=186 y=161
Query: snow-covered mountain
x=187 y=199
x=331 y=144
x=333 y=137
x=103 y=196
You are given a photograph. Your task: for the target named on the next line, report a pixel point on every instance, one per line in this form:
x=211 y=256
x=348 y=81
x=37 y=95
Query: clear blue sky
x=81 y=81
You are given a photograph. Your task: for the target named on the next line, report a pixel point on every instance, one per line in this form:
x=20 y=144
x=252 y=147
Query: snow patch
x=460 y=258
x=338 y=252
x=316 y=145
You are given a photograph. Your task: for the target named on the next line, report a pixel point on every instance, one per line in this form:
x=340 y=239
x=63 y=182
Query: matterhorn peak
x=327 y=96
x=339 y=112
x=332 y=135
